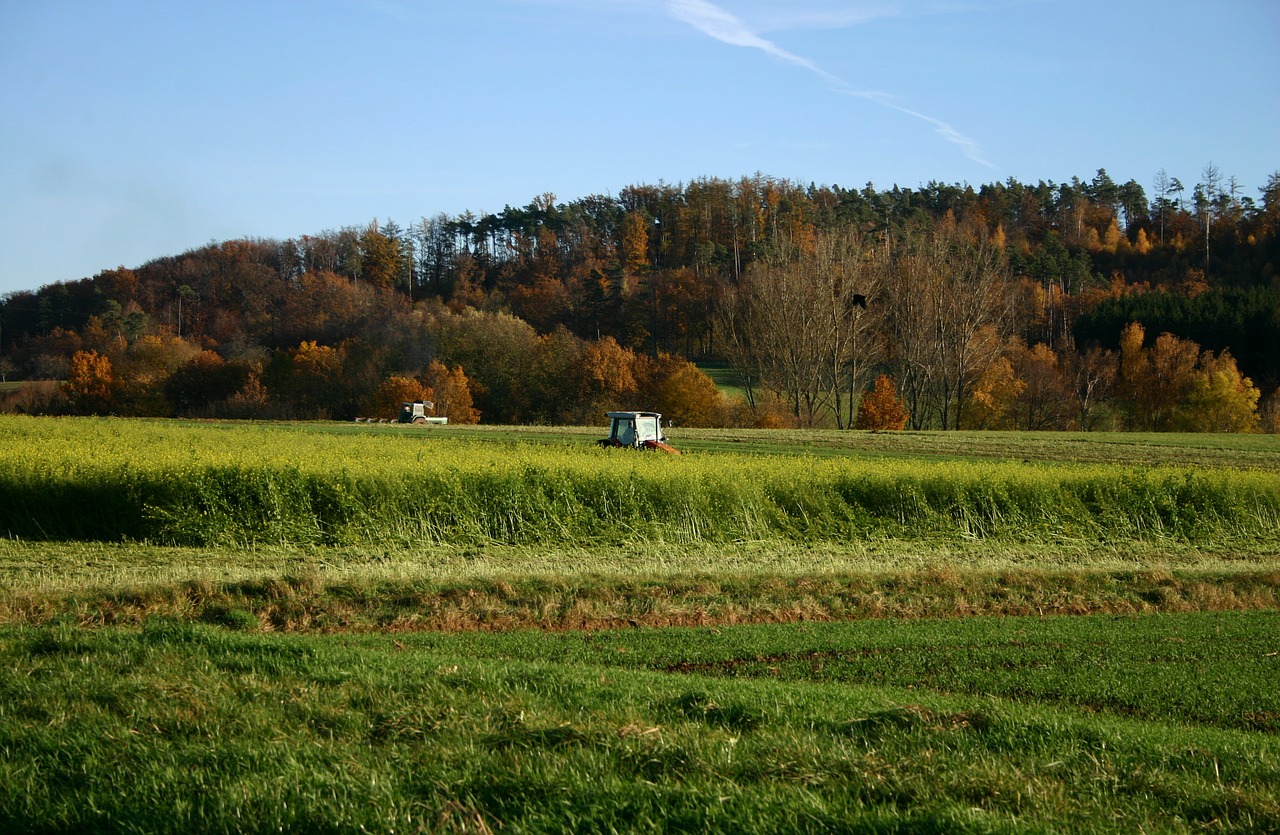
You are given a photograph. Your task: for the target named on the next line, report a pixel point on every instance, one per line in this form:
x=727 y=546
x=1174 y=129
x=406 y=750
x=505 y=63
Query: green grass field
x=241 y=627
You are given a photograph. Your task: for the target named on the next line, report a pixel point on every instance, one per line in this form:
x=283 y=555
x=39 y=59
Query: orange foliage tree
x=386 y=399
x=452 y=393
x=251 y=401
x=1173 y=386
x=90 y=382
x=608 y=377
x=881 y=408
x=681 y=391
x=1044 y=401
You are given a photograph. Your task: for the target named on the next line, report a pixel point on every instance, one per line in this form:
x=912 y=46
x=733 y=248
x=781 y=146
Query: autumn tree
x=609 y=380
x=307 y=380
x=90 y=383
x=144 y=371
x=799 y=323
x=776 y=324
x=881 y=408
x=679 y=390
x=386 y=399
x=1043 y=402
x=555 y=379
x=1172 y=368
x=451 y=393
x=1220 y=398
x=497 y=350
x=1172 y=386
x=1133 y=374
x=993 y=403
x=251 y=402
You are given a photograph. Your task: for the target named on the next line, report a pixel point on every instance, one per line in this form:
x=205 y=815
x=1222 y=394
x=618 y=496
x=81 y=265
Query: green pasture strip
x=280 y=589
x=177 y=728
x=245 y=485
x=1197 y=668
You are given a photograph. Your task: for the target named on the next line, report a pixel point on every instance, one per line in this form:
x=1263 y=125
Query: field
x=236 y=627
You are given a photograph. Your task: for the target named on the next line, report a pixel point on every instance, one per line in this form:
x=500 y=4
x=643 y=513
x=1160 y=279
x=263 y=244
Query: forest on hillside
x=1081 y=305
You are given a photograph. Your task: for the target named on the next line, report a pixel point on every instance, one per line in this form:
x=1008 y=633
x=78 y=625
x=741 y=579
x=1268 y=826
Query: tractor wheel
x=419 y=420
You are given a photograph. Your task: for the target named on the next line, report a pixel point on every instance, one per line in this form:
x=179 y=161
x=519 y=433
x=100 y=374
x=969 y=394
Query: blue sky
x=134 y=130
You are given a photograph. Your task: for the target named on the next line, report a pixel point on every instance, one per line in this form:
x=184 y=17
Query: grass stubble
x=999 y=664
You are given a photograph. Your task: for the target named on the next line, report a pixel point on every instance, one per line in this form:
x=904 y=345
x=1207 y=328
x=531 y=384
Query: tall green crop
x=99 y=479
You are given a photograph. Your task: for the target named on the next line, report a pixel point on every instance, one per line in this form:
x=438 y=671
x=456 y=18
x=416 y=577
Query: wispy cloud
x=724 y=26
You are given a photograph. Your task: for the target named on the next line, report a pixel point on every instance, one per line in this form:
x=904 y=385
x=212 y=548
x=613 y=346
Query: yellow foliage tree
x=1111 y=239
x=994 y=397
x=1221 y=399
x=881 y=408
x=635 y=242
x=315 y=382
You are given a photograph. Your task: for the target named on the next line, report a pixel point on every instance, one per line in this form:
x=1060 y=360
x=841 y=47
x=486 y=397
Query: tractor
x=418 y=412
x=636 y=430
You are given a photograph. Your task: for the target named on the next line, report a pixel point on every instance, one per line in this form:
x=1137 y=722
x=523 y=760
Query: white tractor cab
x=636 y=430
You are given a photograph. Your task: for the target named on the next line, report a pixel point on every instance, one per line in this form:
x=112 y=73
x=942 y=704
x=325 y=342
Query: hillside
x=1005 y=306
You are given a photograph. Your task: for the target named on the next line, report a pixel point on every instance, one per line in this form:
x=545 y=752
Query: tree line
x=964 y=299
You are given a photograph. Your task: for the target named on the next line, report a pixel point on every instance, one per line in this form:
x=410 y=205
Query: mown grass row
x=241 y=486
x=179 y=727
x=305 y=601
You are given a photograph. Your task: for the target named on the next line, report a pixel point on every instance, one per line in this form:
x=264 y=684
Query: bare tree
x=1162 y=187
x=949 y=310
x=846 y=272
x=800 y=324
x=1092 y=378
x=912 y=314
x=1206 y=195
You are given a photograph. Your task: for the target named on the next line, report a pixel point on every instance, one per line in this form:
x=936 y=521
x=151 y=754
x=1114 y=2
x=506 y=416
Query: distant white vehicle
x=636 y=430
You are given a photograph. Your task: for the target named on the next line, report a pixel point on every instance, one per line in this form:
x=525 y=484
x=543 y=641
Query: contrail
x=725 y=27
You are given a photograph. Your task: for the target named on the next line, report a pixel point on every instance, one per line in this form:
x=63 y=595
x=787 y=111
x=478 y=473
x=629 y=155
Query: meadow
x=252 y=627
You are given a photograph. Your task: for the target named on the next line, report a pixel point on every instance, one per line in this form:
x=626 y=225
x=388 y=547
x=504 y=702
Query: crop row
x=240 y=485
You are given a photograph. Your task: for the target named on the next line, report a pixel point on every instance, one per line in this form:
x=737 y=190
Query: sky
x=134 y=130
